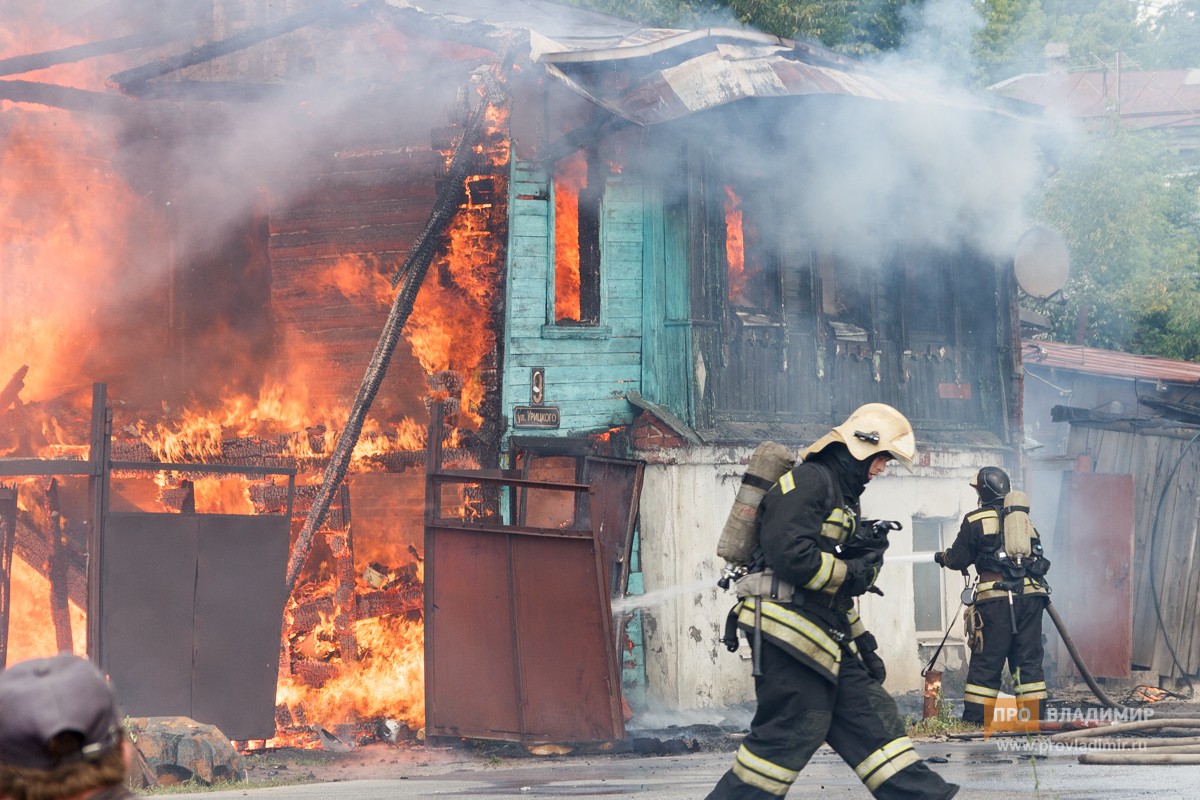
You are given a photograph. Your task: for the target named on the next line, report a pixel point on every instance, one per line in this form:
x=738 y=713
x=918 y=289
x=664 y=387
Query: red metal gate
x=518 y=628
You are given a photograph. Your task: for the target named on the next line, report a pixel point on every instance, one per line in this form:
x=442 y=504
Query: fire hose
x=1083 y=670
x=1169 y=750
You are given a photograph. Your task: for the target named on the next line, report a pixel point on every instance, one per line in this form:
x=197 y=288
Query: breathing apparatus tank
x=739 y=537
x=1019 y=534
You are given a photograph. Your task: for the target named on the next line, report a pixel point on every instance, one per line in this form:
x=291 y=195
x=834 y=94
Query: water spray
x=909 y=558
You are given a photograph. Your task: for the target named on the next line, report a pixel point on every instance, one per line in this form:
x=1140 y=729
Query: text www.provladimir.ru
x=1042 y=746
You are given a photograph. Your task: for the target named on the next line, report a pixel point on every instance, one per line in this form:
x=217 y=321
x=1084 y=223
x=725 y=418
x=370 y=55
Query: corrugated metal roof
x=1095 y=361
x=653 y=75
x=1163 y=98
x=709 y=68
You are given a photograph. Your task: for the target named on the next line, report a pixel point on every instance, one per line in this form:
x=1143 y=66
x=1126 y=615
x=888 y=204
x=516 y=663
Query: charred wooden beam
x=133 y=81
x=410 y=276
x=15 y=65
x=403 y=599
x=8 y=538
x=10 y=394
x=315 y=673
x=48 y=94
x=36 y=548
x=345 y=599
x=60 y=570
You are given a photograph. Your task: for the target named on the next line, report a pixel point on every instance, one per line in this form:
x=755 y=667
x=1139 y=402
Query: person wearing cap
x=818 y=678
x=61 y=736
x=1005 y=622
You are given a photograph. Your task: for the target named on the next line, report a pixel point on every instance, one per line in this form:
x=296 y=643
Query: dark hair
x=69 y=778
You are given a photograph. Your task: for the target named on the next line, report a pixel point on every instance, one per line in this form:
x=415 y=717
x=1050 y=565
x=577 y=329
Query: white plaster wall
x=685 y=500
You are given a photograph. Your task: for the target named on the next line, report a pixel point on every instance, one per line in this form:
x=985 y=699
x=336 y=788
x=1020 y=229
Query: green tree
x=1126 y=212
x=845 y=25
x=1016 y=32
x=1175 y=36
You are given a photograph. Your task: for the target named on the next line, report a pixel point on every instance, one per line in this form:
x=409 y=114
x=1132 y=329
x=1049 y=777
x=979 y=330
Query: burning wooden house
x=610 y=260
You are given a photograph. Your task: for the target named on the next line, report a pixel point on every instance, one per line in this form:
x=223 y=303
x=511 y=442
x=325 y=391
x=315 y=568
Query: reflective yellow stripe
x=886 y=762
x=787 y=483
x=822 y=575
x=988 y=518
x=795 y=632
x=837 y=578
x=1030 y=691
x=837 y=525
x=983 y=693
x=857 y=628
x=762 y=774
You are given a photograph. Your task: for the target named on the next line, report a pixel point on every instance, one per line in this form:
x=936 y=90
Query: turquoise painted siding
x=667 y=351
x=587 y=370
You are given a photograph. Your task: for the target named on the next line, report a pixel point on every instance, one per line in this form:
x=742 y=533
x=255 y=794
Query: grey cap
x=43 y=697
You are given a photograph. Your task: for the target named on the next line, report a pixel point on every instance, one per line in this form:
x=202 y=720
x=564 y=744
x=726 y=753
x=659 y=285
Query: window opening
x=577 y=193
x=752 y=274
x=929 y=608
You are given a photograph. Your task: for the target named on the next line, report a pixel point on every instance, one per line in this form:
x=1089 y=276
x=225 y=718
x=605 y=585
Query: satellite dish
x=1042 y=262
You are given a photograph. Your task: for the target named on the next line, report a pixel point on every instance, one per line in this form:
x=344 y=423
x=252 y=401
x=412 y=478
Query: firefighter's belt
x=768 y=586
x=805 y=639
x=990 y=590
x=765 y=584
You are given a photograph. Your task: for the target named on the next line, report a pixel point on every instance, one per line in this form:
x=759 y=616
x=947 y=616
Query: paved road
x=983 y=769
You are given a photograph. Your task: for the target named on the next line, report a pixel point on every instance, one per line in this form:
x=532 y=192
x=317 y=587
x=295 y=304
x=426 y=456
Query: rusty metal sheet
x=518 y=637
x=617 y=487
x=1090 y=575
x=190 y=614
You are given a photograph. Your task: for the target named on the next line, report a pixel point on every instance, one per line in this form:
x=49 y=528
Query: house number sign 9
x=537 y=414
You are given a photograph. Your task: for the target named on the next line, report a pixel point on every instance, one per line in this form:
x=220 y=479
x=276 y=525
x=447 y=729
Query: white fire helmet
x=872 y=429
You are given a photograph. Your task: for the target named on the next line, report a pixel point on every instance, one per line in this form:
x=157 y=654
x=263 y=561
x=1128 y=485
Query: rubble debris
x=181 y=750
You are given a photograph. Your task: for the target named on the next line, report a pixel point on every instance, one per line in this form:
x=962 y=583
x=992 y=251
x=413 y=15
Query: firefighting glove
x=868 y=651
x=861 y=574
x=939 y=558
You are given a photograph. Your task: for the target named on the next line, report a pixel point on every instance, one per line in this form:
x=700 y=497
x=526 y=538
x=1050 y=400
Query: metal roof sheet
x=1095 y=361
x=1163 y=98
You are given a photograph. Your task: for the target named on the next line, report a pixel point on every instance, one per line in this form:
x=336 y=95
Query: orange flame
x=735 y=247
x=569 y=180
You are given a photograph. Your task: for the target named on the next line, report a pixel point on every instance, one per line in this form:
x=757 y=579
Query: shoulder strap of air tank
x=831 y=499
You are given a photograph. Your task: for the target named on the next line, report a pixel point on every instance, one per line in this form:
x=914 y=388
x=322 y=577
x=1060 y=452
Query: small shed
x=1112 y=437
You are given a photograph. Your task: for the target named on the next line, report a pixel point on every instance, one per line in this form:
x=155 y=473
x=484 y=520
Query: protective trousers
x=1022 y=650
x=798 y=710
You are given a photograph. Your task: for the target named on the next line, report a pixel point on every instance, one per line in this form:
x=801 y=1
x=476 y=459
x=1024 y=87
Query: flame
x=64 y=266
x=569 y=180
x=388 y=682
x=61 y=212
x=448 y=328
x=735 y=247
x=30 y=630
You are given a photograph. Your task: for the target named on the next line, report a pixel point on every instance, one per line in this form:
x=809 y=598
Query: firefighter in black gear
x=1009 y=601
x=819 y=678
